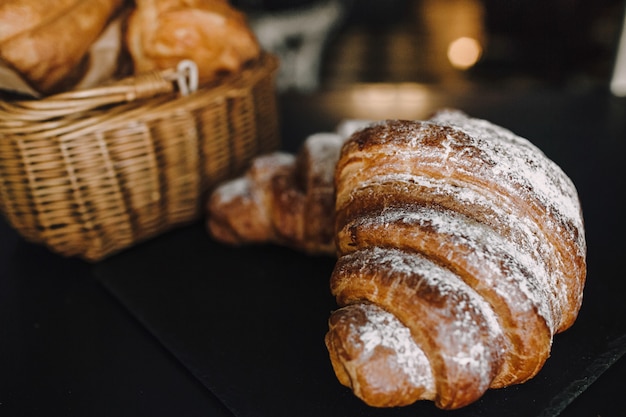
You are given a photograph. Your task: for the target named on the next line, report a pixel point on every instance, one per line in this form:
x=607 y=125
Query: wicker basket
x=89 y=173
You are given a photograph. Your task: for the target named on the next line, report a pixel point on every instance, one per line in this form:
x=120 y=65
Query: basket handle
x=151 y=84
x=187 y=77
x=141 y=86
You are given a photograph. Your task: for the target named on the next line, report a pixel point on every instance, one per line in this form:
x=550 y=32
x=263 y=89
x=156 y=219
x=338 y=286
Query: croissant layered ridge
x=469 y=240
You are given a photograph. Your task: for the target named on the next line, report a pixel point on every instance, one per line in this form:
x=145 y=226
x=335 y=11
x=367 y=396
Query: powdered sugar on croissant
x=469 y=238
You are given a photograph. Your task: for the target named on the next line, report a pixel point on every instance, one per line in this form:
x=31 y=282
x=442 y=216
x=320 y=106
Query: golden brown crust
x=436 y=306
x=48 y=54
x=452 y=161
x=239 y=210
x=469 y=236
x=283 y=198
x=315 y=168
x=480 y=258
x=212 y=33
x=18 y=16
x=354 y=361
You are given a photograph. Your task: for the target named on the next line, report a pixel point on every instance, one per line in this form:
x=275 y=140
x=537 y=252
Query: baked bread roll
x=461 y=253
x=283 y=199
x=18 y=16
x=212 y=33
x=46 y=41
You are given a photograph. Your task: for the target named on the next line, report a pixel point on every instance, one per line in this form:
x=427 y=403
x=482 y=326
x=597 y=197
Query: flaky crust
x=471 y=238
x=283 y=198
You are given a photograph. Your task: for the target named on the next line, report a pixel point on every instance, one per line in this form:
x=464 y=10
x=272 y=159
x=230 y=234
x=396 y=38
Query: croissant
x=212 y=33
x=461 y=253
x=283 y=198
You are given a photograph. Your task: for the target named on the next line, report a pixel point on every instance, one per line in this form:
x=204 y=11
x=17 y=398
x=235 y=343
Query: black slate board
x=249 y=322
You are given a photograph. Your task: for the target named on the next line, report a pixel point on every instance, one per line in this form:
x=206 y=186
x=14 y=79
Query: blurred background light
x=618 y=80
x=458 y=44
x=464 y=52
x=381 y=100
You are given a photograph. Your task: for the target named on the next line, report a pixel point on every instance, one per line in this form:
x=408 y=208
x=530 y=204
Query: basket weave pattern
x=89 y=173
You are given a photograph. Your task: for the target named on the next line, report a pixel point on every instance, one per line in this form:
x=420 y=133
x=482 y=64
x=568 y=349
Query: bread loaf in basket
x=91 y=172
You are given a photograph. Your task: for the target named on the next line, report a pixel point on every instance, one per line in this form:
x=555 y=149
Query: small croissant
x=461 y=253
x=282 y=198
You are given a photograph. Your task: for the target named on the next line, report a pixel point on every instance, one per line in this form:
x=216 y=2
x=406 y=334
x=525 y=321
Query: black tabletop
x=183 y=325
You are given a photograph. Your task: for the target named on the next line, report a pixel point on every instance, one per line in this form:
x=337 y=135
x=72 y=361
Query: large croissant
x=461 y=253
